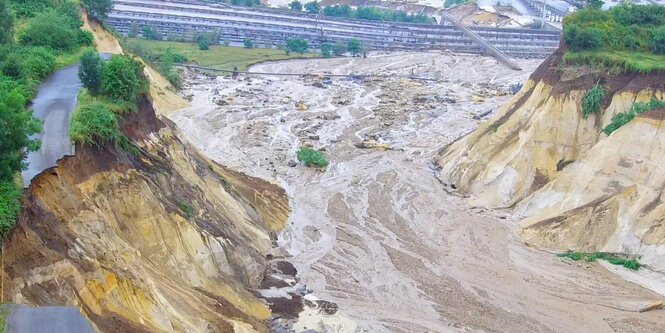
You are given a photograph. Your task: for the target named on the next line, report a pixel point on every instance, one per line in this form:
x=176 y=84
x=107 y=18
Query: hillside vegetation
x=626 y=37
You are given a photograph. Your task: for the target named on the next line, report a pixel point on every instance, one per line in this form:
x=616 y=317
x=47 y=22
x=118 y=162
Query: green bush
x=295 y=5
x=186 y=208
x=30 y=8
x=123 y=79
x=6 y=23
x=339 y=48
x=11 y=66
x=312 y=7
x=623 y=118
x=310 y=156
x=325 y=50
x=16 y=127
x=658 y=40
x=133 y=30
x=353 y=46
x=96 y=124
x=572 y=255
x=50 y=29
x=591 y=100
x=98 y=8
x=202 y=42
x=247 y=43
x=10 y=196
x=150 y=33
x=297 y=45
x=579 y=39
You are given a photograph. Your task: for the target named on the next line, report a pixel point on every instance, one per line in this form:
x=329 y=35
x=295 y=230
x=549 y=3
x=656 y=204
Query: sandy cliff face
x=109 y=232
x=578 y=188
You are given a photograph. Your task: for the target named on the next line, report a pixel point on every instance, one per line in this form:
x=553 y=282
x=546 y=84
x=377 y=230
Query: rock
x=307 y=144
x=368 y=144
x=313 y=137
x=221 y=102
x=326 y=307
x=270 y=280
x=301 y=106
x=477 y=99
x=286 y=100
x=292 y=164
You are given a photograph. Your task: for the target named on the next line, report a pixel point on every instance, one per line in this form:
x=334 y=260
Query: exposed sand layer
x=376 y=233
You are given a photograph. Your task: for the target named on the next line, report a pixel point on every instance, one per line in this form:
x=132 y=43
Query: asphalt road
x=46 y=319
x=54 y=104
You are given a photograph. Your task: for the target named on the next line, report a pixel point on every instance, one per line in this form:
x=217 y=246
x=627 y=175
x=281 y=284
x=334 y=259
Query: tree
x=339 y=48
x=313 y=7
x=99 y=9
x=365 y=48
x=6 y=23
x=202 y=41
x=122 y=78
x=133 y=30
x=353 y=46
x=325 y=50
x=598 y=4
x=247 y=43
x=50 y=29
x=151 y=33
x=90 y=72
x=297 y=45
x=16 y=127
x=580 y=39
x=295 y=5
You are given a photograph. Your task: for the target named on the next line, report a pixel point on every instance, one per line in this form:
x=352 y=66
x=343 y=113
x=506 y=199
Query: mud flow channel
x=376 y=233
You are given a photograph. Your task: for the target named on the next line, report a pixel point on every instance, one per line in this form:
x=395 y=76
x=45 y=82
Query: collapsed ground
x=376 y=233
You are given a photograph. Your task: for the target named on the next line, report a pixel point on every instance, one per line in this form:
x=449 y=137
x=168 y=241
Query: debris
x=373 y=144
x=301 y=106
x=477 y=99
x=286 y=100
x=292 y=164
x=221 y=102
x=479 y=116
x=307 y=144
x=652 y=306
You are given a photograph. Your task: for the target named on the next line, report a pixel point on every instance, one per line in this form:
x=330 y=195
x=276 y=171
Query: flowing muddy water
x=376 y=233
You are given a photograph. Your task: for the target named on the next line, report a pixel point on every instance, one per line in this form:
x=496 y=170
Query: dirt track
x=376 y=233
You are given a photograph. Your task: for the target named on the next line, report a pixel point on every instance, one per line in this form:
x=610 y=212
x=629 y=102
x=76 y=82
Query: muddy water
x=376 y=233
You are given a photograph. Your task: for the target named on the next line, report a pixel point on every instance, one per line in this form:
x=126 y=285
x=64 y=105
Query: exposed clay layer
x=112 y=233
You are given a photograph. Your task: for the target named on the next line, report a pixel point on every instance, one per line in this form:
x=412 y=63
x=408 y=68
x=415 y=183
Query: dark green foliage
x=90 y=72
x=325 y=50
x=353 y=46
x=123 y=79
x=30 y=8
x=591 y=100
x=202 y=42
x=597 y=4
x=16 y=127
x=11 y=66
x=579 y=39
x=50 y=29
x=96 y=124
x=339 y=48
x=38 y=62
x=151 y=33
x=133 y=30
x=165 y=66
x=312 y=7
x=98 y=8
x=611 y=258
x=6 y=23
x=658 y=40
x=295 y=5
x=70 y=14
x=248 y=43
x=375 y=13
x=186 y=208
x=10 y=196
x=297 y=45
x=311 y=157
x=623 y=118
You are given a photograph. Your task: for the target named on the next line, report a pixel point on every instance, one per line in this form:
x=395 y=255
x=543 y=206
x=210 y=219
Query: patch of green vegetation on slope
x=611 y=258
x=628 y=37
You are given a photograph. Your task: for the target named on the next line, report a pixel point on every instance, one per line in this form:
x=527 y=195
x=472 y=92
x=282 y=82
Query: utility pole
x=542 y=21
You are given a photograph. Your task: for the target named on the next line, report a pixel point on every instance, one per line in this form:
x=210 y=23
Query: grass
x=69 y=58
x=628 y=61
x=495 y=126
x=591 y=100
x=186 y=208
x=223 y=57
x=311 y=157
x=623 y=118
x=609 y=257
x=4 y=312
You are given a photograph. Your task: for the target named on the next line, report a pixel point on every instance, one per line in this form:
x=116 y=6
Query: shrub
x=11 y=66
x=96 y=124
x=325 y=50
x=495 y=126
x=658 y=40
x=591 y=100
x=297 y=45
x=38 y=62
x=186 y=208
x=10 y=196
x=70 y=14
x=17 y=126
x=247 y=43
x=30 y=8
x=623 y=118
x=353 y=46
x=202 y=42
x=310 y=156
x=579 y=39
x=123 y=79
x=90 y=72
x=50 y=29
x=150 y=33
x=225 y=42
x=572 y=255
